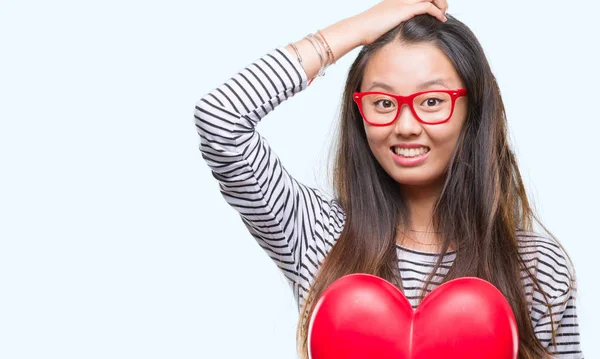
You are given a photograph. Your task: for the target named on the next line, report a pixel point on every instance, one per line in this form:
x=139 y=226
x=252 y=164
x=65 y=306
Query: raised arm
x=272 y=205
x=283 y=215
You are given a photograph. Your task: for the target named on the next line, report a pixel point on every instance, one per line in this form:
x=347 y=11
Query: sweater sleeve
x=556 y=275
x=279 y=212
x=566 y=325
x=553 y=303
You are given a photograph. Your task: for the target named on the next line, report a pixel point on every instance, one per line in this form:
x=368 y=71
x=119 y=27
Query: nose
x=406 y=124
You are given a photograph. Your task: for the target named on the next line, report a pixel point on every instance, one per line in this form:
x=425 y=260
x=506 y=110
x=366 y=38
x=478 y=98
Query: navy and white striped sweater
x=297 y=225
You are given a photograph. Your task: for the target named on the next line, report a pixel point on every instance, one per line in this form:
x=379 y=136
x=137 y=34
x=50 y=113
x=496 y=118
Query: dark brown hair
x=481 y=206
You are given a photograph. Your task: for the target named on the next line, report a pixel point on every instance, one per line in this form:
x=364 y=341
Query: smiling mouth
x=410 y=152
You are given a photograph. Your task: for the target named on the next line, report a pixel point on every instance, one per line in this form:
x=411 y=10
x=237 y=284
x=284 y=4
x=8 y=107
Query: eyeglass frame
x=409 y=99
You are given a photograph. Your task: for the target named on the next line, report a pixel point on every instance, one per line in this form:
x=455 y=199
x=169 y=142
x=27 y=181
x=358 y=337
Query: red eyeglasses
x=429 y=107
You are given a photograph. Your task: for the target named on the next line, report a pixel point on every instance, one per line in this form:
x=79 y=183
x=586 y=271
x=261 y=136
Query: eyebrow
x=422 y=86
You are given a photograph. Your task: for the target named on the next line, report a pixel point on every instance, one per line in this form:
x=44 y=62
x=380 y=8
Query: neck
x=421 y=201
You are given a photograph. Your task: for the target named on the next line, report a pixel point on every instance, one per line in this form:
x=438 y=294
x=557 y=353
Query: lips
x=409 y=157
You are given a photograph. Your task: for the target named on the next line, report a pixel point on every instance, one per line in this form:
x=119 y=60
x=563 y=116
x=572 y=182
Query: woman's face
x=403 y=70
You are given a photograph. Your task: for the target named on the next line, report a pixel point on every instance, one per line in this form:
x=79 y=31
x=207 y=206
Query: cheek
x=446 y=137
x=444 y=141
x=377 y=137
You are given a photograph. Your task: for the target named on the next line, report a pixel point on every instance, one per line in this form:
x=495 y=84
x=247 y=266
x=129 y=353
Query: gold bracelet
x=318 y=49
x=327 y=45
x=297 y=52
x=323 y=47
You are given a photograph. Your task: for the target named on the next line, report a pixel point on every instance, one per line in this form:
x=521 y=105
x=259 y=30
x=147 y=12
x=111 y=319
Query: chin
x=411 y=181
x=418 y=177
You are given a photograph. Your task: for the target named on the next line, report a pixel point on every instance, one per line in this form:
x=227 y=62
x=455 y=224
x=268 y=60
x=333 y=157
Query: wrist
x=343 y=36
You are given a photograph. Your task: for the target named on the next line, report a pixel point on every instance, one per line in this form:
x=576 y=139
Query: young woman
x=427 y=188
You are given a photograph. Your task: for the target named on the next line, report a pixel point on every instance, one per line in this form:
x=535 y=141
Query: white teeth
x=410 y=152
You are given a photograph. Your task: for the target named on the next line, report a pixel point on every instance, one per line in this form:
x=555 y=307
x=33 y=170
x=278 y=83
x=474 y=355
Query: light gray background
x=114 y=239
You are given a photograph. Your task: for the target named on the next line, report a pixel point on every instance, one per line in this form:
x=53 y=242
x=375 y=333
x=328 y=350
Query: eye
x=384 y=103
x=432 y=101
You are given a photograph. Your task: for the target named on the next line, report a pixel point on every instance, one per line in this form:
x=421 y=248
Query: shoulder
x=546 y=259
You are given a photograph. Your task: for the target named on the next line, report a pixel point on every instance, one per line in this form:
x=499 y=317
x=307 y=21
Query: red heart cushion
x=361 y=316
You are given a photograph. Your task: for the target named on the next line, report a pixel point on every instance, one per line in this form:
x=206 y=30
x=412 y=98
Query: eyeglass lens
x=430 y=107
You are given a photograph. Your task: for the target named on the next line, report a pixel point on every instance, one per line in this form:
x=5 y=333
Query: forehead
x=407 y=68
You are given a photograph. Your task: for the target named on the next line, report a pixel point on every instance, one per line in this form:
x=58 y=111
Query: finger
x=431 y=9
x=418 y=1
x=442 y=5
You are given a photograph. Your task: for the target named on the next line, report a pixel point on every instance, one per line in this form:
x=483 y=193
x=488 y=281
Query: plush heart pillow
x=362 y=316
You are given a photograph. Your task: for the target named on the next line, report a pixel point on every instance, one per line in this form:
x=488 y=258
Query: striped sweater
x=297 y=225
